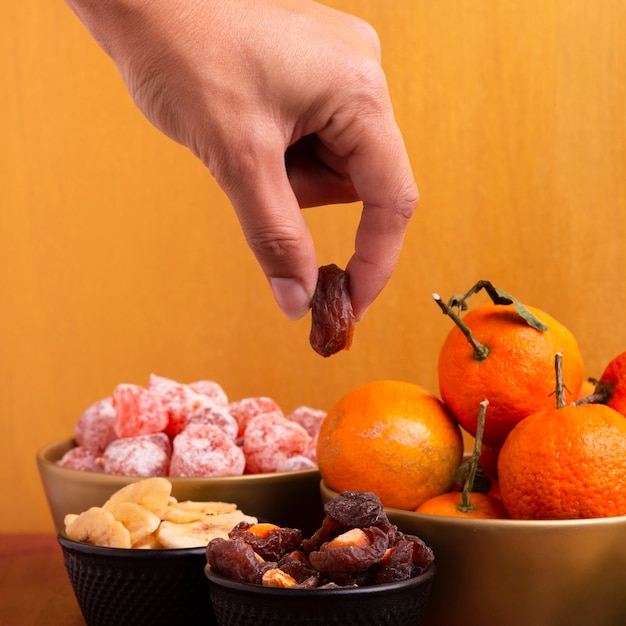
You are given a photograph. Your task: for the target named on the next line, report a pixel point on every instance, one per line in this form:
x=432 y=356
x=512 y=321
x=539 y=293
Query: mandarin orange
x=483 y=506
x=484 y=482
x=489 y=458
x=613 y=383
x=392 y=438
x=565 y=463
x=517 y=373
x=471 y=501
x=587 y=389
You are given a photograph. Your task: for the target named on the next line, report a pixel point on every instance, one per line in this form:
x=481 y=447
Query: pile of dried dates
x=356 y=545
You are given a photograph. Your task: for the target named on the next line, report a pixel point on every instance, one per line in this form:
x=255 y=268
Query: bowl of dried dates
x=247 y=450
x=356 y=569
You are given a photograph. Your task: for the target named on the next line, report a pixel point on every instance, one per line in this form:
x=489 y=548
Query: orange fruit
x=588 y=388
x=489 y=458
x=565 y=463
x=613 y=383
x=450 y=504
x=391 y=438
x=518 y=374
x=484 y=482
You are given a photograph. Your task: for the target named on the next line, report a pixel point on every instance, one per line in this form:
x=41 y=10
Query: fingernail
x=361 y=315
x=291 y=297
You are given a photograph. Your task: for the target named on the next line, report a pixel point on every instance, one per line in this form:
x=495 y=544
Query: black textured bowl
x=393 y=604
x=133 y=587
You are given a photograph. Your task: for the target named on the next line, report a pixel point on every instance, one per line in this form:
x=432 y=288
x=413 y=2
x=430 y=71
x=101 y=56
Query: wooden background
x=120 y=256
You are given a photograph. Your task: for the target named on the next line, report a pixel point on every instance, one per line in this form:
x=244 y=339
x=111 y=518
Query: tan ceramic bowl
x=522 y=573
x=287 y=498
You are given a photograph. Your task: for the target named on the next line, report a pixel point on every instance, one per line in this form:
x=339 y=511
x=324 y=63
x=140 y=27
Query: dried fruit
x=95 y=429
x=332 y=317
x=145 y=455
x=205 y=450
x=236 y=559
x=144 y=515
x=138 y=521
x=199 y=533
x=192 y=511
x=350 y=554
x=309 y=418
x=98 y=527
x=271 y=440
x=269 y=541
x=137 y=411
x=151 y=493
x=133 y=433
x=356 y=545
x=245 y=409
x=80 y=458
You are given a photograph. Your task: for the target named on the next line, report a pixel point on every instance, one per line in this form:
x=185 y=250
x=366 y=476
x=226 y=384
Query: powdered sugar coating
x=309 y=418
x=205 y=450
x=95 y=428
x=180 y=401
x=137 y=411
x=80 y=458
x=216 y=415
x=297 y=463
x=145 y=455
x=311 y=451
x=247 y=408
x=211 y=390
x=167 y=408
x=270 y=440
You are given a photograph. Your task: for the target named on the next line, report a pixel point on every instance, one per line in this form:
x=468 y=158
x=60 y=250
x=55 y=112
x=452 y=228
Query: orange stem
x=466 y=503
x=481 y=351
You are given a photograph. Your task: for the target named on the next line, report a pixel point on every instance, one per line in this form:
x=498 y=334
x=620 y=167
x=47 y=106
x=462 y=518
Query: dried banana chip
x=99 y=528
x=198 y=534
x=151 y=493
x=191 y=511
x=145 y=515
x=189 y=535
x=69 y=518
x=151 y=542
x=139 y=522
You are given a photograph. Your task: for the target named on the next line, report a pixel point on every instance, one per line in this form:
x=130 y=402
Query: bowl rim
x=45 y=453
x=415 y=581
x=127 y=553
x=491 y=524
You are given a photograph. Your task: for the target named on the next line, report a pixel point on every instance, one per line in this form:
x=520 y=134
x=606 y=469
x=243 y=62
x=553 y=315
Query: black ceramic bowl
x=134 y=587
x=394 y=604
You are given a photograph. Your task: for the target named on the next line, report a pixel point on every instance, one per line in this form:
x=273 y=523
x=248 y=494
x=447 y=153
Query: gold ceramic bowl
x=521 y=573
x=287 y=498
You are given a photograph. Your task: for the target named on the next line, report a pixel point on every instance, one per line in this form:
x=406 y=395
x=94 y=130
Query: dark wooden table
x=34 y=587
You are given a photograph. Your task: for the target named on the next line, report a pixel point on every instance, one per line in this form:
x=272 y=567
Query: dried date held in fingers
x=332 y=317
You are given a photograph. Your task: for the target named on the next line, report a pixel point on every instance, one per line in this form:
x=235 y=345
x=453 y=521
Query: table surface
x=34 y=587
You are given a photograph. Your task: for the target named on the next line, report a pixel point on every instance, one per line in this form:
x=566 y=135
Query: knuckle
x=407 y=200
x=277 y=243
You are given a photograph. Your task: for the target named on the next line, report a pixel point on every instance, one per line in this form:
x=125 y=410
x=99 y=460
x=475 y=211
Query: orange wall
x=120 y=256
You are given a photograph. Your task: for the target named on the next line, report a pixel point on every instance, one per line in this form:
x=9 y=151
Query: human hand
x=286 y=104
